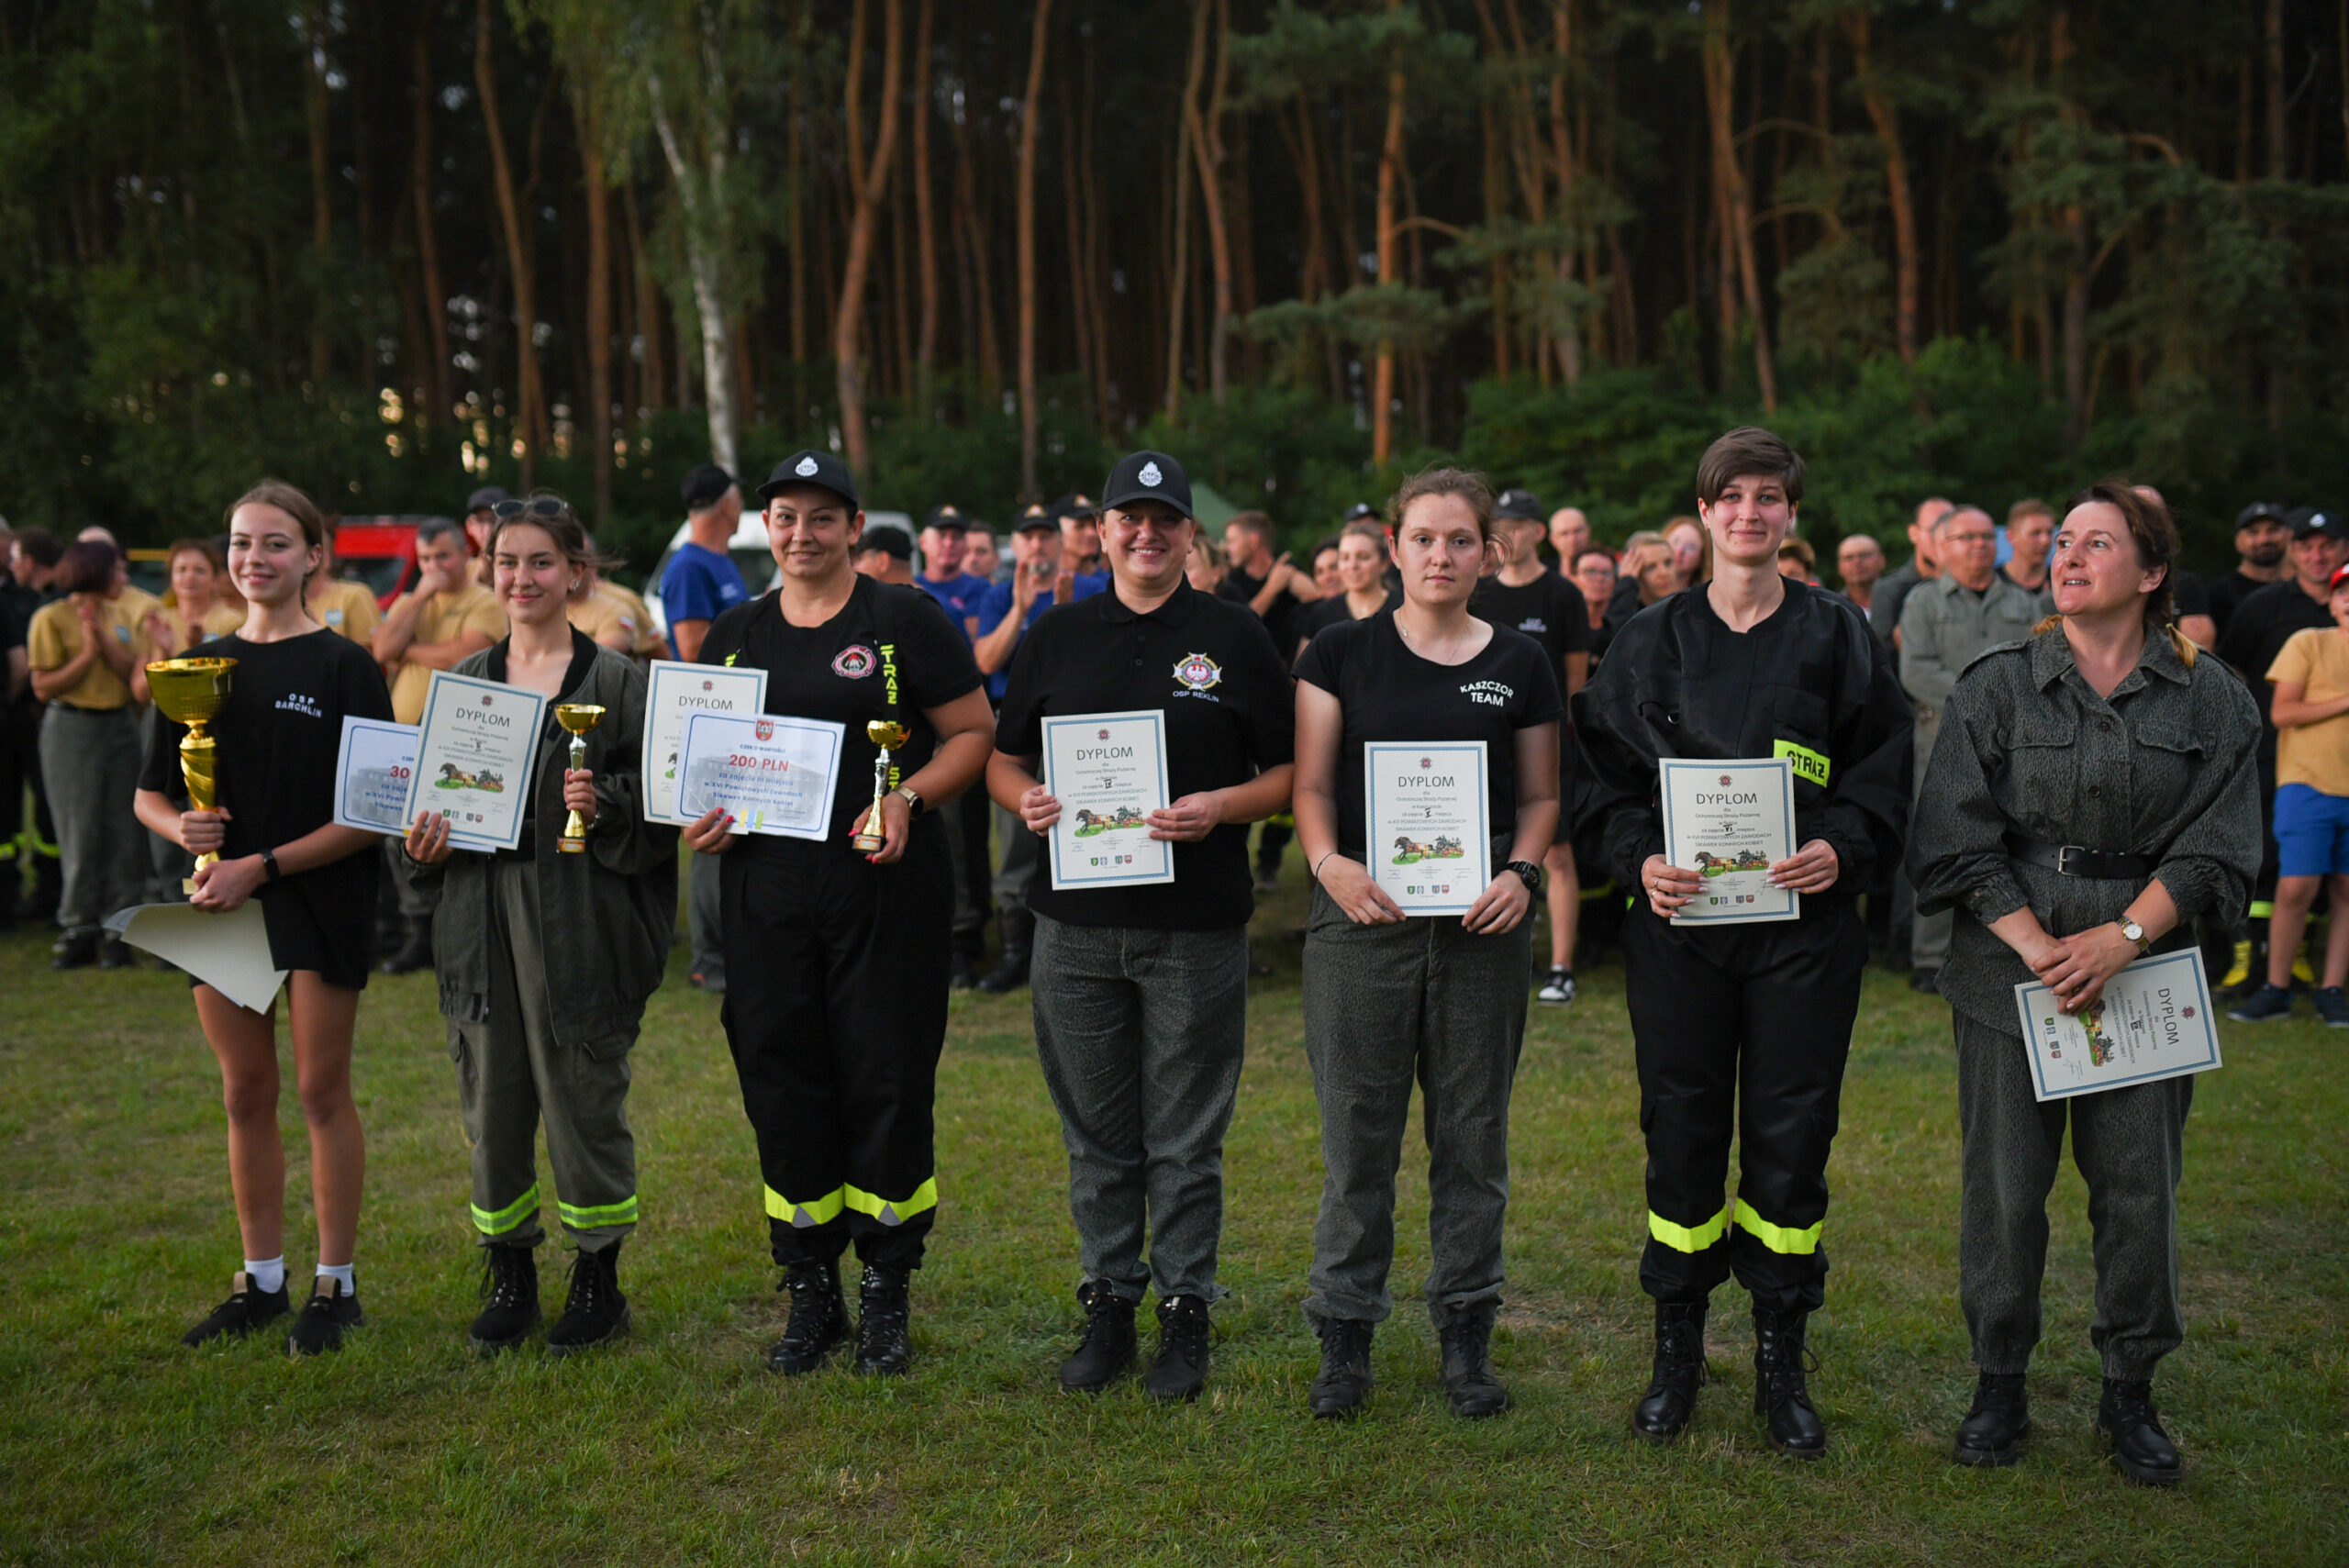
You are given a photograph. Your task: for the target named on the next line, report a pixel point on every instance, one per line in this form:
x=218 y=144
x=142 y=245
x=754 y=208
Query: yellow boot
x=2240 y=969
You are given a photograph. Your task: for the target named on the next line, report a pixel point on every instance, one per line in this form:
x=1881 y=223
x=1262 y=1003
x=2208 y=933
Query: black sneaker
x=245 y=1310
x=1558 y=989
x=595 y=1312
x=74 y=949
x=2268 y=1002
x=2331 y=1005
x=324 y=1316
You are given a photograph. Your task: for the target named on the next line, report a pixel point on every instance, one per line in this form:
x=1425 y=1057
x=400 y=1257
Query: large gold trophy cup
x=578 y=717
x=190 y=692
x=884 y=734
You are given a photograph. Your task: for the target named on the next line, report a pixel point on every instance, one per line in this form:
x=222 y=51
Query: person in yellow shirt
x=85 y=651
x=194 y=610
x=339 y=605
x=2310 y=709
x=446 y=618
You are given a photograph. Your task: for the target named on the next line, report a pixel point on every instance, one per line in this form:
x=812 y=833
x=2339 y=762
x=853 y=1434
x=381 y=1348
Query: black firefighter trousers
x=836 y=1012
x=1743 y=1028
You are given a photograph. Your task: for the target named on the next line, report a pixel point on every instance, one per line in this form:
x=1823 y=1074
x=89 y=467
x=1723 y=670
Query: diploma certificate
x=774 y=774
x=1426 y=815
x=1730 y=822
x=1109 y=771
x=674 y=693
x=2155 y=1020
x=371 y=775
x=474 y=753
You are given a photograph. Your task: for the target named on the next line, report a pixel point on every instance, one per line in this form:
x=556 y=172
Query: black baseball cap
x=488 y=495
x=812 y=467
x=1517 y=505
x=1036 y=514
x=1147 y=476
x=2307 y=520
x=2262 y=511
x=1075 y=505
x=1362 y=511
x=948 y=518
x=704 y=487
x=888 y=536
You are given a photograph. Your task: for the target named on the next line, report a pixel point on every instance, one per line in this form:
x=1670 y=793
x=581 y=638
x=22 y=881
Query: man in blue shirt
x=701 y=581
x=943 y=576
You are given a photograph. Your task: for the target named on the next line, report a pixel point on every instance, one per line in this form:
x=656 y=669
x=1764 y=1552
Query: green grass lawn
x=118 y=1445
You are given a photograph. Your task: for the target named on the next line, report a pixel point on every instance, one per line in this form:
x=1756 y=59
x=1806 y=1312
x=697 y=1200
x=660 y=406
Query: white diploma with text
x=474 y=753
x=1427 y=821
x=674 y=693
x=1109 y=772
x=1730 y=823
x=2153 y=1021
x=372 y=773
x=774 y=774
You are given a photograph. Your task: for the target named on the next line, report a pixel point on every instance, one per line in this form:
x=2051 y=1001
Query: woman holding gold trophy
x=263 y=826
x=546 y=952
x=836 y=943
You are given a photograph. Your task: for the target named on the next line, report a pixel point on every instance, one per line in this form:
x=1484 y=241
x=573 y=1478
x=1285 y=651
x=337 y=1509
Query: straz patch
x=1198 y=671
x=854 y=663
x=1808 y=765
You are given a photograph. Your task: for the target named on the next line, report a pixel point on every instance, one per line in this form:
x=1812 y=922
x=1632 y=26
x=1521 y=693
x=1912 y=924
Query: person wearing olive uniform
x=1140 y=993
x=2095 y=787
x=837 y=959
x=1744 y=1029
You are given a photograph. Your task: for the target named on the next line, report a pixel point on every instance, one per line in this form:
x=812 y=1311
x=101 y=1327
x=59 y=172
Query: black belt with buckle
x=2070 y=859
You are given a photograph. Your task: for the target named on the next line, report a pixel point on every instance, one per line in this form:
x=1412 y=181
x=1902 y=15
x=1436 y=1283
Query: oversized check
x=774 y=773
x=372 y=771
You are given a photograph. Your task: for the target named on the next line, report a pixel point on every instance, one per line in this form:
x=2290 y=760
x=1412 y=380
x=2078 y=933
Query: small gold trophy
x=190 y=692
x=884 y=734
x=579 y=718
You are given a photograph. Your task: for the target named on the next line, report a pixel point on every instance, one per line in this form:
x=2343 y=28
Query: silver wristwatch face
x=2133 y=931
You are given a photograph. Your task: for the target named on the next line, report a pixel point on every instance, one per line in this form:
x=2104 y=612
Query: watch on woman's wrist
x=2136 y=935
x=1528 y=873
x=912 y=797
x=269 y=871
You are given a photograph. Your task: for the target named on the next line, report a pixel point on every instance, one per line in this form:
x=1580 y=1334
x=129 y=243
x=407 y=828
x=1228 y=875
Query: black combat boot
x=1342 y=1386
x=884 y=1346
x=818 y=1318
x=2140 y=1449
x=1664 y=1412
x=595 y=1313
x=1181 y=1369
x=1780 y=1397
x=1019 y=936
x=1107 y=1348
x=1467 y=1368
x=1992 y=1432
x=510 y=1299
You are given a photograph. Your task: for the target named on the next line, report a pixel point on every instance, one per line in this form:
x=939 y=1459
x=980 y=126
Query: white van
x=750 y=552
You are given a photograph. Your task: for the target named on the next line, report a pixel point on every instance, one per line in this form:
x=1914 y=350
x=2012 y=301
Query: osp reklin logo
x=1198 y=671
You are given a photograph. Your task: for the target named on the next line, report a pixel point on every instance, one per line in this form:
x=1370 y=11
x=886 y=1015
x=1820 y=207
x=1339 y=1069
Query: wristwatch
x=912 y=798
x=1528 y=873
x=269 y=871
x=2136 y=934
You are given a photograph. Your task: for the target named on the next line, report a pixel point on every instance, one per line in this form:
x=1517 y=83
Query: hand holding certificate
x=1727 y=826
x=2153 y=1021
x=1425 y=813
x=1109 y=772
x=774 y=775
x=475 y=755
x=674 y=691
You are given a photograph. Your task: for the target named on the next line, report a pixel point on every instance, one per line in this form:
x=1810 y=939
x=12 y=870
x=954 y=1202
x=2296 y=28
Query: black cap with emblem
x=1036 y=514
x=2309 y=520
x=1361 y=512
x=812 y=467
x=1079 y=504
x=948 y=517
x=704 y=487
x=1517 y=505
x=1147 y=476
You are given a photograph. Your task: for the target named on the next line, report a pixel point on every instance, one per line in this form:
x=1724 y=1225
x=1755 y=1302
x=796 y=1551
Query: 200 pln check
x=1729 y=822
x=774 y=774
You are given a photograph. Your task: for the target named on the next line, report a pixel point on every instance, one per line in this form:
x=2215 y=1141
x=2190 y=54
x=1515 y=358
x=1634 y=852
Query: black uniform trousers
x=836 y=1012
x=1742 y=1027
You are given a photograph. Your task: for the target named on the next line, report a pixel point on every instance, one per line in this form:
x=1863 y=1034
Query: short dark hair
x=87 y=567
x=1748 y=449
x=2150 y=525
x=1587 y=551
x=43 y=546
x=1321 y=544
x=2029 y=507
x=1460 y=482
x=438 y=528
x=1256 y=523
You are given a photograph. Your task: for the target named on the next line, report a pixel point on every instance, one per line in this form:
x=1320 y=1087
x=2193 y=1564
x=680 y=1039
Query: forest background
x=393 y=248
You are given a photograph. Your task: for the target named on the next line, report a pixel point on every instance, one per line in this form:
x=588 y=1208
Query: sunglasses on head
x=536 y=506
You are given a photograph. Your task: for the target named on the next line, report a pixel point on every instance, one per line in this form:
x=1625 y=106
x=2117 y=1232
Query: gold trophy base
x=867 y=841
x=574 y=837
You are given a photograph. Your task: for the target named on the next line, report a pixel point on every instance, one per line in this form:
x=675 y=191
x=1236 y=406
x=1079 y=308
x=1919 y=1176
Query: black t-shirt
x=2187 y=597
x=1211 y=668
x=1283 y=619
x=842 y=671
x=2226 y=596
x=1550 y=610
x=2263 y=623
x=1389 y=692
x=279 y=733
x=1315 y=619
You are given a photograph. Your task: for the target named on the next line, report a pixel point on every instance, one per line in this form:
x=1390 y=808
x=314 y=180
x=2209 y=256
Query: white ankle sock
x=342 y=1272
x=268 y=1274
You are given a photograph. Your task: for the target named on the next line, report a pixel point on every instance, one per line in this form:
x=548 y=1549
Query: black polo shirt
x=2260 y=627
x=1210 y=667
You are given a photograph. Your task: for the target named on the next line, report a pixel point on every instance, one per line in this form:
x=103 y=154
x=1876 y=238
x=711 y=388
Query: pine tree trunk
x=1740 y=279
x=1178 y=277
x=527 y=398
x=1024 y=200
x=589 y=120
x=1207 y=147
x=925 y=211
x=869 y=183
x=1390 y=173
x=314 y=83
x=1886 y=118
x=422 y=168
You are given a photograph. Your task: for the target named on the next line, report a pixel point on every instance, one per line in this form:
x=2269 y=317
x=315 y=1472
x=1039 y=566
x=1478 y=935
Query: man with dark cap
x=2262 y=535
x=700 y=583
x=886 y=553
x=943 y=577
x=1080 y=533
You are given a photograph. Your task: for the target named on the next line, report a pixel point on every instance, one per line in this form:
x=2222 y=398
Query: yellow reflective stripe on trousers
x=499 y=1222
x=894 y=1211
x=1681 y=1238
x=803 y=1215
x=1777 y=1238
x=620 y=1213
